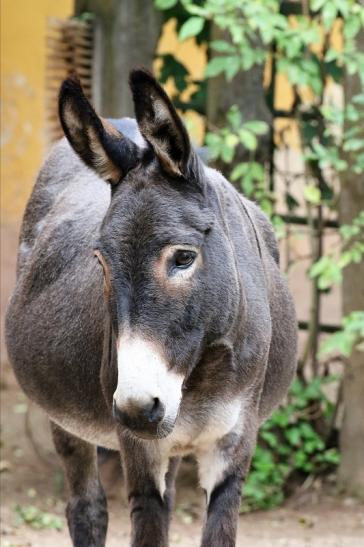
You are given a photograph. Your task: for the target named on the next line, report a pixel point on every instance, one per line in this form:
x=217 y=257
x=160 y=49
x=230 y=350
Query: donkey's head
x=169 y=272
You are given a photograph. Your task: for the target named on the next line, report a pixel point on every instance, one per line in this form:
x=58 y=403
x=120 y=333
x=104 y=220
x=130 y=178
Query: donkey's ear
x=95 y=140
x=159 y=122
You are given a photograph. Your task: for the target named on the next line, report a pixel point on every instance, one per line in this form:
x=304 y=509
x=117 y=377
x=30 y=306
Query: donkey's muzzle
x=143 y=420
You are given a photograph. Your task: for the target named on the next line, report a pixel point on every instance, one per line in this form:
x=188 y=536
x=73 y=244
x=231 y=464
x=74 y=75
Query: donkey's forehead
x=146 y=209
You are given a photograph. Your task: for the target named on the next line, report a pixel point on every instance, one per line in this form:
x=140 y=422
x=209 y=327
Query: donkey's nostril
x=156 y=413
x=138 y=416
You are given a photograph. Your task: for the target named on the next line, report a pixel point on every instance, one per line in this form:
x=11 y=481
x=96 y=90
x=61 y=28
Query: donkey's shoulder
x=63 y=175
x=263 y=225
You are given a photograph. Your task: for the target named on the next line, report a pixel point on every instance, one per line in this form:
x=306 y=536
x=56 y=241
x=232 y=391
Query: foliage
x=301 y=48
x=223 y=144
x=249 y=28
x=328 y=270
x=289 y=445
x=175 y=70
x=37 y=519
x=349 y=337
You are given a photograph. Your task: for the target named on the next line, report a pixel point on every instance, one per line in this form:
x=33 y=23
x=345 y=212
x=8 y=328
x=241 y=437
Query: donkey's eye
x=183 y=259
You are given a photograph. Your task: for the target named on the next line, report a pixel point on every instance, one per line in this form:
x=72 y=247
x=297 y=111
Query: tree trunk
x=247 y=92
x=126 y=35
x=351 y=470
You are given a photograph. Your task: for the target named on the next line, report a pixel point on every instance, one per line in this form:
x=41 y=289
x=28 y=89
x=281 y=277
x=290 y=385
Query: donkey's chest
x=195 y=431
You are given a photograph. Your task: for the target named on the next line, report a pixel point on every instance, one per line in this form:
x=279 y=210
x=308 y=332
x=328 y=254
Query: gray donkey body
x=178 y=337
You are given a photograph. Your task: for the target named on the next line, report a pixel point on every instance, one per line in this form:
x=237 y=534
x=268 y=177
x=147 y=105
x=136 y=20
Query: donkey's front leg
x=150 y=488
x=222 y=470
x=86 y=510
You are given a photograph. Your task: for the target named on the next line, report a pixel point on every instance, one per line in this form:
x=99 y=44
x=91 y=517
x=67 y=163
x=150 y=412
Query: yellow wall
x=23 y=39
x=194 y=58
x=23 y=36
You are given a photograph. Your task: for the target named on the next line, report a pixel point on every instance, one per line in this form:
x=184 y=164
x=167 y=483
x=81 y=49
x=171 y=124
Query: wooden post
x=126 y=35
x=351 y=470
x=247 y=92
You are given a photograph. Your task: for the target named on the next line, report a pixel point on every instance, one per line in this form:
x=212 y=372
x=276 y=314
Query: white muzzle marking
x=143 y=375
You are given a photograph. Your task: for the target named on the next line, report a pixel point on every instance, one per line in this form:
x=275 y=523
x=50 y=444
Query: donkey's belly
x=98 y=433
x=55 y=345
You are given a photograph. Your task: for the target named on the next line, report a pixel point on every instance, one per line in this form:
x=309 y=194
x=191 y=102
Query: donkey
x=179 y=337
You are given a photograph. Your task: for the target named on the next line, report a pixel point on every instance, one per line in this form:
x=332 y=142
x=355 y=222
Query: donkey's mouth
x=151 y=434
x=143 y=429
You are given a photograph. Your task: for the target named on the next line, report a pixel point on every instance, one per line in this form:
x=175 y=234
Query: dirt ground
x=311 y=518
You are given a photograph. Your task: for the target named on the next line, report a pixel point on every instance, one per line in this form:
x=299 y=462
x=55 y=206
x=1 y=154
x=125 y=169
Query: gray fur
x=233 y=336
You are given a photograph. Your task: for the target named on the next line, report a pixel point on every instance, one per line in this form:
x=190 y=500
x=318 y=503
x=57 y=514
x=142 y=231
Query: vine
x=298 y=45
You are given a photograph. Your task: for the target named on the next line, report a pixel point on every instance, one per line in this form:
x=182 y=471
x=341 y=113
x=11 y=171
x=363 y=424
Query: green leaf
x=344 y=259
x=248 y=139
x=213 y=141
x=232 y=67
x=340 y=342
x=37 y=519
x=228 y=148
x=248 y=59
x=352 y=26
x=238 y=171
x=344 y=7
x=222 y=46
x=195 y=9
x=216 y=66
x=234 y=117
x=352 y=145
x=355 y=322
x=191 y=27
x=293 y=436
x=165 y=4
x=172 y=68
x=312 y=194
x=331 y=456
x=232 y=140
x=358 y=99
x=257 y=127
x=329 y=14
x=316 y=5
x=331 y=55
x=344 y=341
x=327 y=270
x=270 y=438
